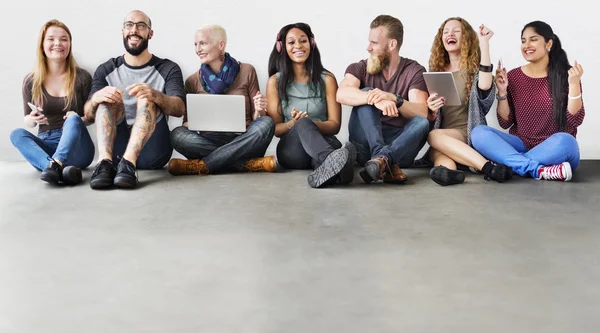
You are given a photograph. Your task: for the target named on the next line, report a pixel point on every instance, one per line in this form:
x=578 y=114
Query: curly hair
x=469 y=52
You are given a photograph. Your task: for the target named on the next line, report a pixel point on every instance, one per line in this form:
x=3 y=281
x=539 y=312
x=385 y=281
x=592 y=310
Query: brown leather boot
x=178 y=167
x=261 y=164
x=395 y=175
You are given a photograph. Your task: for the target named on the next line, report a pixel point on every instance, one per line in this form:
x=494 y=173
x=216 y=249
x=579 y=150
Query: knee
x=478 y=133
x=17 y=134
x=434 y=135
x=305 y=123
x=176 y=135
x=264 y=127
x=74 y=121
x=145 y=102
x=566 y=140
x=420 y=125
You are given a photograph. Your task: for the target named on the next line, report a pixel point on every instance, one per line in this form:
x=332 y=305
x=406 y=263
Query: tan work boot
x=179 y=166
x=261 y=164
x=395 y=175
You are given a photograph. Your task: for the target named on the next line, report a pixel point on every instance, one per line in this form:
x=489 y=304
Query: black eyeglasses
x=139 y=25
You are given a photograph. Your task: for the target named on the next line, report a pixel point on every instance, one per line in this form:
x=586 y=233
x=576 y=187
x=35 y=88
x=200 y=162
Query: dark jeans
x=155 y=154
x=304 y=147
x=225 y=151
x=373 y=139
x=71 y=144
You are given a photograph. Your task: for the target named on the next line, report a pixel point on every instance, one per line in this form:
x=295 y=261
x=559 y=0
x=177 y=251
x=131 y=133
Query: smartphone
x=33 y=107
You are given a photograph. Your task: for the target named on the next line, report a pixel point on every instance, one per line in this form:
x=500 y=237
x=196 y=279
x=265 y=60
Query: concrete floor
x=265 y=253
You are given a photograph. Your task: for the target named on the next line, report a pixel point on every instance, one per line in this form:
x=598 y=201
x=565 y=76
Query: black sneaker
x=444 y=176
x=327 y=172
x=52 y=173
x=500 y=173
x=103 y=175
x=71 y=175
x=125 y=177
x=347 y=175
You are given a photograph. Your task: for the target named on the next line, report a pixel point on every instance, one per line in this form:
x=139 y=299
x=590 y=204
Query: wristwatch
x=399 y=101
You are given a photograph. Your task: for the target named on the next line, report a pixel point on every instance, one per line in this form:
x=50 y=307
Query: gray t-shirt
x=304 y=98
x=160 y=74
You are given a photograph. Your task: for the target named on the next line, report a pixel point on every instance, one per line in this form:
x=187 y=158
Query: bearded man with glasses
x=131 y=98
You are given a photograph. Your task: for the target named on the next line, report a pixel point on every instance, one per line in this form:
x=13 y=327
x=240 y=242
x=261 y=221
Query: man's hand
x=109 y=95
x=142 y=90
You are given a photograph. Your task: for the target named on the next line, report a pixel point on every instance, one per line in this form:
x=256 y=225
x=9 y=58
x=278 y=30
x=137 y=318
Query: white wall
x=341 y=31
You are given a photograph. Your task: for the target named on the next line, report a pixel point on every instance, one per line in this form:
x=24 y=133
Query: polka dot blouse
x=530 y=116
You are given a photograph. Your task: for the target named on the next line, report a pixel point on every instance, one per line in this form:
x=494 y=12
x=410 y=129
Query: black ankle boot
x=52 y=173
x=444 y=176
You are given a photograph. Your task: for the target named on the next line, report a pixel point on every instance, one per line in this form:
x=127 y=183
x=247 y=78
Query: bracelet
x=575 y=97
x=487 y=69
x=501 y=98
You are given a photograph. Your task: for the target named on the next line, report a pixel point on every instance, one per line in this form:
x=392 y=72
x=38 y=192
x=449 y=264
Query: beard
x=377 y=62
x=135 y=51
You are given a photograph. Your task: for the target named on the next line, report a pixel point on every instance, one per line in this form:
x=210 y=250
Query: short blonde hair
x=217 y=33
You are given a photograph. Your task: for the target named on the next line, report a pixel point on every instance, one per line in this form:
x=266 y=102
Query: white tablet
x=442 y=83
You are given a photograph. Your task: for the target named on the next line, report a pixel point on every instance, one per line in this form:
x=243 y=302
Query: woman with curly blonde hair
x=458 y=49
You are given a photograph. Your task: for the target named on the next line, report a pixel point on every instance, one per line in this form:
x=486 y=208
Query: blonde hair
x=217 y=33
x=469 y=52
x=40 y=70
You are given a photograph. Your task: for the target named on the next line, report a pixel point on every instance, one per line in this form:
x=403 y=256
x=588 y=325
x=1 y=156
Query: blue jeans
x=509 y=150
x=223 y=152
x=71 y=145
x=373 y=139
x=156 y=152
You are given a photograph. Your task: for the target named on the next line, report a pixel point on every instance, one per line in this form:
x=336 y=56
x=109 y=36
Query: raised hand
x=484 y=34
x=501 y=80
x=575 y=73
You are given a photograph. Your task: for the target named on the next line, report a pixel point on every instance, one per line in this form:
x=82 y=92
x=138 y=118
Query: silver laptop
x=216 y=113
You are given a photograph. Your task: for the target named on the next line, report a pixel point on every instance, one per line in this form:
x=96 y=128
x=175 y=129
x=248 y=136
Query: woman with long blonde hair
x=53 y=98
x=458 y=49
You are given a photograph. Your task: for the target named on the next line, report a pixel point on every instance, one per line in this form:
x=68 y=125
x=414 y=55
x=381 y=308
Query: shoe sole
x=568 y=171
x=125 y=181
x=331 y=167
x=461 y=179
x=49 y=178
x=395 y=181
x=100 y=184
x=347 y=174
x=366 y=176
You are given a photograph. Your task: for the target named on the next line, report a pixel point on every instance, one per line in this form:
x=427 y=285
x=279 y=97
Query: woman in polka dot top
x=541 y=104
